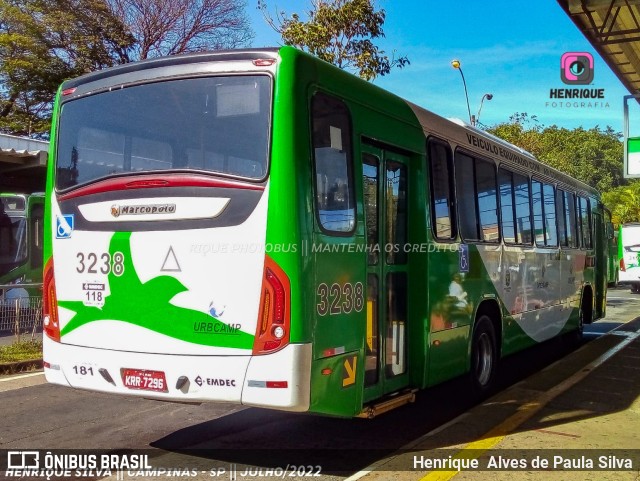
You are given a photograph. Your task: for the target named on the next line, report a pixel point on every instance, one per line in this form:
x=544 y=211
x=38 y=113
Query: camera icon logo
x=576 y=68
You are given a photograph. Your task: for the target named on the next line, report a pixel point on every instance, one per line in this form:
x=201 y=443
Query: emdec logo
x=576 y=68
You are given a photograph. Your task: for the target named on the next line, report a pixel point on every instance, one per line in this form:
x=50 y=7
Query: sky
x=510 y=49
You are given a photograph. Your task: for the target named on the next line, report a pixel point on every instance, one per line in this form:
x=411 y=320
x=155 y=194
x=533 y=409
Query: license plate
x=144 y=380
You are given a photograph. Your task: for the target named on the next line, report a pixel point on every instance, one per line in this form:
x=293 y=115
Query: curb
x=20 y=366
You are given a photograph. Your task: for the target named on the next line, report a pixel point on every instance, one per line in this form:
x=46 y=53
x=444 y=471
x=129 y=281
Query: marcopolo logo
x=118 y=210
x=576 y=68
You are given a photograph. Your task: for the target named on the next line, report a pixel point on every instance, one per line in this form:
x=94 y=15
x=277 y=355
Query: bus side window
x=487 y=201
x=585 y=222
x=507 y=210
x=332 y=163
x=563 y=231
x=522 y=194
x=551 y=226
x=570 y=220
x=465 y=194
x=476 y=191
x=538 y=216
x=442 y=198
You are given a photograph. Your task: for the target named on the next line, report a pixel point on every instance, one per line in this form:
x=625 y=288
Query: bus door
x=35 y=216
x=385 y=207
x=600 y=246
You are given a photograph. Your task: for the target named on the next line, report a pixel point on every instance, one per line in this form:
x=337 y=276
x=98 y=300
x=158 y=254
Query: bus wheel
x=484 y=356
x=573 y=339
x=634 y=288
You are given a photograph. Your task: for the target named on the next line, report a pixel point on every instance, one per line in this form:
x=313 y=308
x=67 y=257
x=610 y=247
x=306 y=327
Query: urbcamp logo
x=577 y=71
x=118 y=210
x=576 y=68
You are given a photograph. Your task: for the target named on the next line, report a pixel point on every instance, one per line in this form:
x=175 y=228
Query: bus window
x=477 y=199
x=487 y=201
x=538 y=224
x=563 y=235
x=223 y=128
x=585 y=222
x=523 y=208
x=332 y=160
x=551 y=229
x=570 y=219
x=544 y=214
x=370 y=165
x=465 y=194
x=396 y=201
x=441 y=190
x=396 y=356
x=505 y=181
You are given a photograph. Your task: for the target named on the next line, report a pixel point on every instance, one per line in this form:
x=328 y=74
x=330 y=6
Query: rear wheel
x=484 y=356
x=573 y=339
x=635 y=288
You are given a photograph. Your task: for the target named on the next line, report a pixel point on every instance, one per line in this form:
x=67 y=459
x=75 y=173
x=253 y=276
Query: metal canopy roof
x=613 y=28
x=22 y=164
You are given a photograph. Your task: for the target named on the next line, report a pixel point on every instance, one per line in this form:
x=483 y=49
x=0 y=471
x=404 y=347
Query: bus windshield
x=214 y=124
x=13 y=245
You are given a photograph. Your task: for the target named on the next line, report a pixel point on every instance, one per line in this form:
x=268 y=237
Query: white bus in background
x=629 y=255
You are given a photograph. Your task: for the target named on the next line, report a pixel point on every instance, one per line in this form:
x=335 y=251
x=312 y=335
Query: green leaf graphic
x=149 y=305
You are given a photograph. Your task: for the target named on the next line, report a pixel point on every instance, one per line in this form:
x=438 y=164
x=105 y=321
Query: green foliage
x=339 y=32
x=624 y=203
x=594 y=156
x=42 y=43
x=21 y=351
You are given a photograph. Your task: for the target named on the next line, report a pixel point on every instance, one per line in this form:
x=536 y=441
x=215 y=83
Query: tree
x=624 y=203
x=44 y=42
x=169 y=27
x=339 y=32
x=593 y=156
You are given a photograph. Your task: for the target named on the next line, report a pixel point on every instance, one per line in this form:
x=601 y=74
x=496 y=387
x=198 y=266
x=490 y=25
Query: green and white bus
x=629 y=255
x=260 y=227
x=21 y=243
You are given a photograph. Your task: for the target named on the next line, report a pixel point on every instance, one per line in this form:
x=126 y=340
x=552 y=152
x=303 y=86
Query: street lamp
x=485 y=96
x=456 y=64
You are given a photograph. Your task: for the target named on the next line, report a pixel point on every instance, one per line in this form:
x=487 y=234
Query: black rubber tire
x=484 y=357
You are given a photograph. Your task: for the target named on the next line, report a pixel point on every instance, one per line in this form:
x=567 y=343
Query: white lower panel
x=210 y=378
x=291 y=365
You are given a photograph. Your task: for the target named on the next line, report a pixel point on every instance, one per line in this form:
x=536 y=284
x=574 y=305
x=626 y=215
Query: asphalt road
x=36 y=415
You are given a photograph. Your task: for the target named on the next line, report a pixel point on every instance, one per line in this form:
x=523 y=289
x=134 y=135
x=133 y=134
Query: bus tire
x=573 y=339
x=484 y=356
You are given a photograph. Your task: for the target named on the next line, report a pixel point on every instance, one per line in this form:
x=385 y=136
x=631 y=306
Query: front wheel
x=484 y=356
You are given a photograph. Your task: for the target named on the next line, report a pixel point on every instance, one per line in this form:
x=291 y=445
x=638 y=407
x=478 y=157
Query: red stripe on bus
x=146 y=182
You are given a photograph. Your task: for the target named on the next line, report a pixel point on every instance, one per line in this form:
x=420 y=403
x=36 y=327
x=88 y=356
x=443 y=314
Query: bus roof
x=172 y=60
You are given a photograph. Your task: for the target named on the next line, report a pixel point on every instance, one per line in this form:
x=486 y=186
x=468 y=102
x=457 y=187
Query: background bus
x=263 y=228
x=629 y=255
x=613 y=263
x=21 y=223
x=21 y=240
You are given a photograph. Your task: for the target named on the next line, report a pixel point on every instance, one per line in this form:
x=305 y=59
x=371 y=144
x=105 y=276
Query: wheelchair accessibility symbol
x=463 y=258
x=64 y=226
